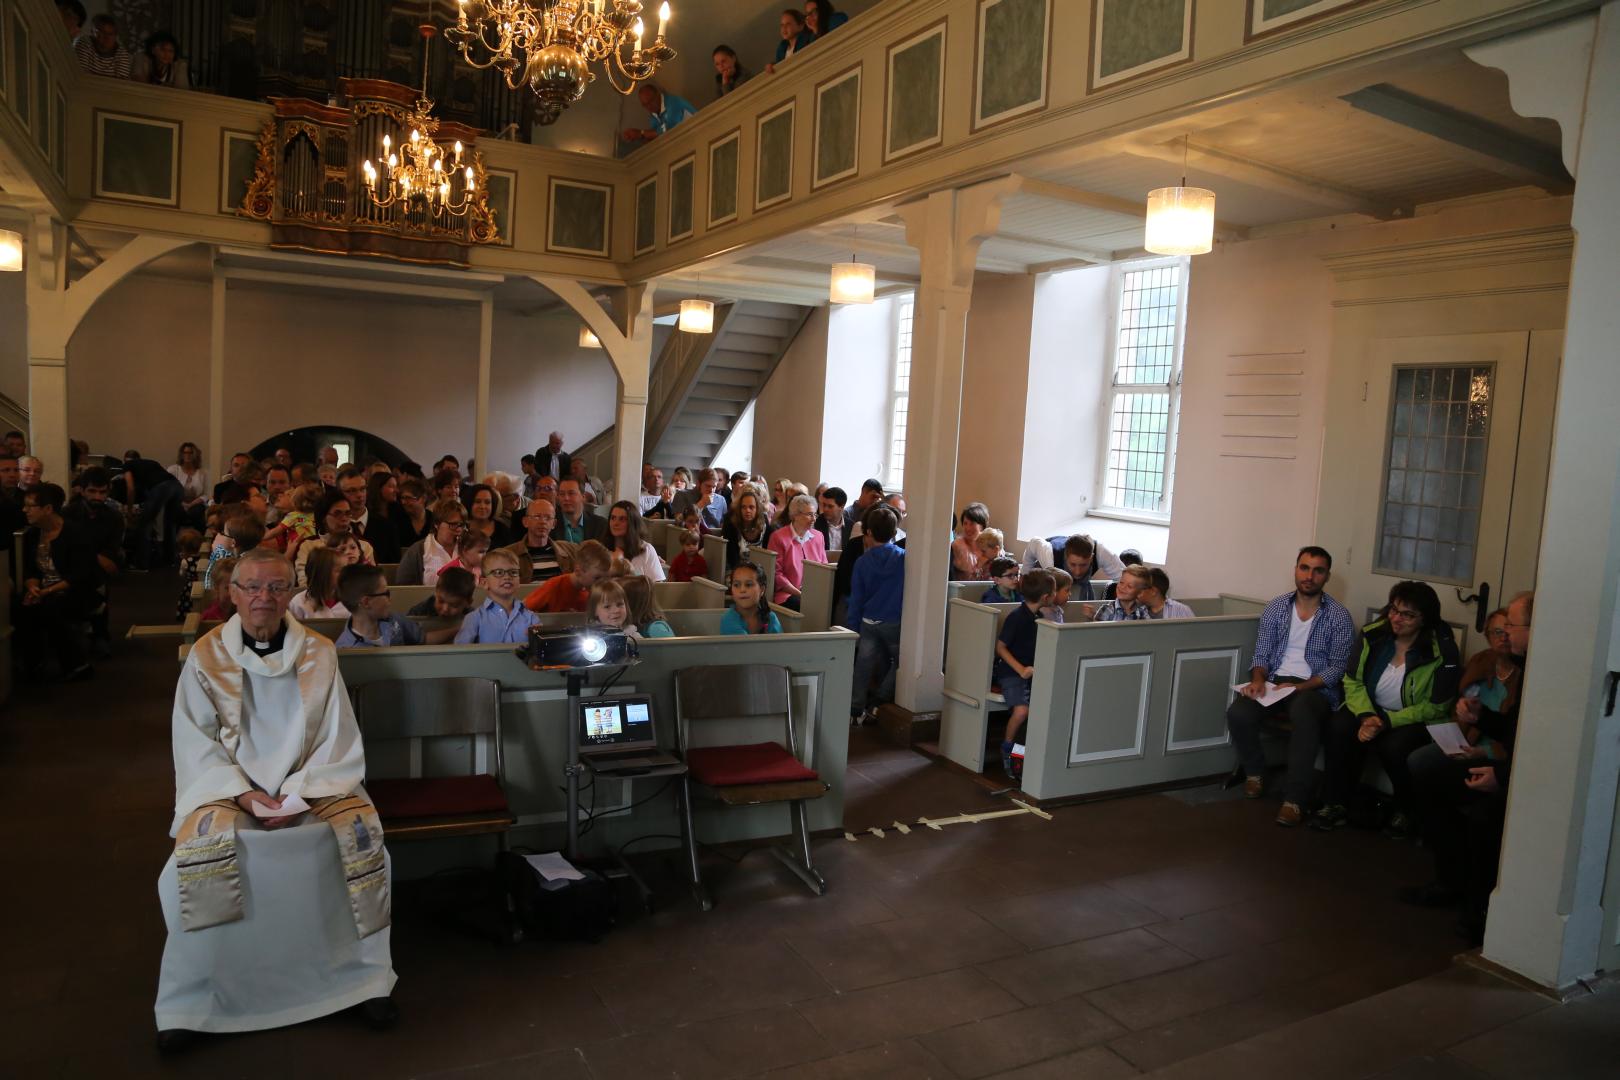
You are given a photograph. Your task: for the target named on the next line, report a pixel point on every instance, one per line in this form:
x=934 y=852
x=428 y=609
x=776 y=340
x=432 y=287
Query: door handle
x=1482 y=612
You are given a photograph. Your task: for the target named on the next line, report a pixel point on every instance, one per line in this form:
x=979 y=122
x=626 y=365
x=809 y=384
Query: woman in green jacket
x=1402 y=677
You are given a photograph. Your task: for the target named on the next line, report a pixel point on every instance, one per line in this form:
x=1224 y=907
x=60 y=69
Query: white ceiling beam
x=1463 y=137
x=1268 y=177
x=1094 y=200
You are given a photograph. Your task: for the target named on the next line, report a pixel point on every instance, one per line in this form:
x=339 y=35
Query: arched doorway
x=352 y=445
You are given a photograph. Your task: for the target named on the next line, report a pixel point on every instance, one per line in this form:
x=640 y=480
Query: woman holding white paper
x=1402 y=677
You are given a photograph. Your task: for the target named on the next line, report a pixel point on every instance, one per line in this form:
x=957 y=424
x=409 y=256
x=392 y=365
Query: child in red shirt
x=572 y=591
x=690 y=563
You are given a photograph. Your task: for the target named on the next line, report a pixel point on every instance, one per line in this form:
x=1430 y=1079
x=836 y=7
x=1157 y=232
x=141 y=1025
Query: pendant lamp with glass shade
x=697 y=316
x=11 y=250
x=1180 y=220
x=853 y=282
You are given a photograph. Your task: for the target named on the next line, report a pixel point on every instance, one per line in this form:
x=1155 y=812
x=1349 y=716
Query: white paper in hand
x=1273 y=694
x=290 y=805
x=1449 y=737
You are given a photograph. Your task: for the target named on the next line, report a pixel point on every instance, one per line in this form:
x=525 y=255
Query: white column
x=1547 y=915
x=48 y=332
x=216 y=371
x=486 y=344
x=947 y=228
x=632 y=356
x=47 y=415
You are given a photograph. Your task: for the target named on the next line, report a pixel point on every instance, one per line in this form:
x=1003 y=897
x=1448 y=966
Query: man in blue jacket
x=664 y=111
x=875 y=595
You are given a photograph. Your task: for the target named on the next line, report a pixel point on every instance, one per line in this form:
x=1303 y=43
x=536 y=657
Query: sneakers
x=1290 y=815
x=1006 y=759
x=1330 y=817
x=1254 y=787
x=1400 y=827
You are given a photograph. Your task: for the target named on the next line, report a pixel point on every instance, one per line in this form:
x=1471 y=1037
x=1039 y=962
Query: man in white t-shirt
x=1304 y=641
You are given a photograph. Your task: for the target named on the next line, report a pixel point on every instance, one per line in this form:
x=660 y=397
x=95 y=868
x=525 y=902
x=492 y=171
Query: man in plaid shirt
x=1304 y=641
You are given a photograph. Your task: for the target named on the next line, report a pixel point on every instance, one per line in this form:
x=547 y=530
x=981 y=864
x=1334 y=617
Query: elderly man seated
x=277 y=895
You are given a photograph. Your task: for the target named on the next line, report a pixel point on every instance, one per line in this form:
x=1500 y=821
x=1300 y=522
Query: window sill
x=1141 y=517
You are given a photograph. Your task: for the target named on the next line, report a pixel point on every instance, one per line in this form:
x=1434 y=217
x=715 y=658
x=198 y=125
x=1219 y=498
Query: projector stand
x=576 y=684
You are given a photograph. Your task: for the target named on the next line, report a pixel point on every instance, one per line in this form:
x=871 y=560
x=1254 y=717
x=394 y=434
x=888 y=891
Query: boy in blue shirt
x=372 y=623
x=1015 y=655
x=500 y=618
x=876 y=591
x=1004 y=578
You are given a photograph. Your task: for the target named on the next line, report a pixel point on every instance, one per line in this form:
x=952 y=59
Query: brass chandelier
x=418 y=173
x=550 y=45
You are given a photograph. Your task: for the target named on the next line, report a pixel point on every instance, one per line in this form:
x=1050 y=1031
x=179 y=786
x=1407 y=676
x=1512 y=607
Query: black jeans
x=1462 y=828
x=1343 y=754
x=55 y=624
x=1310 y=712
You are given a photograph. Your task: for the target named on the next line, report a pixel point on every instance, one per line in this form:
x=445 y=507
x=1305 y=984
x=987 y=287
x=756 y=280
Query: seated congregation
x=310 y=575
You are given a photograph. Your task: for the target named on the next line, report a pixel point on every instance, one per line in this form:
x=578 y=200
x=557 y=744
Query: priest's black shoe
x=380 y=1013
x=176 y=1040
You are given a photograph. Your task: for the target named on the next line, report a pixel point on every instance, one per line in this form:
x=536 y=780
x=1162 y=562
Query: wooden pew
x=535 y=722
x=970 y=644
x=665 y=537
x=706 y=623
x=5 y=625
x=699 y=593
x=817 y=602
x=389 y=569
x=714 y=553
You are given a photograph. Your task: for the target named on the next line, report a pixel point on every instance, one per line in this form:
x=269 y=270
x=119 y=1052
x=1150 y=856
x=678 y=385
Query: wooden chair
x=443 y=792
x=739 y=698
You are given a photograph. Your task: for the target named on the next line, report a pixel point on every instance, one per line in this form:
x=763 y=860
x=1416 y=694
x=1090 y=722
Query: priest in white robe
x=276 y=897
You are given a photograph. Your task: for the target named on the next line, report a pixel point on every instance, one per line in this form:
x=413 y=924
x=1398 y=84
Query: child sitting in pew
x=372 y=623
x=451 y=600
x=223 y=607
x=470 y=556
x=748 y=613
x=239 y=532
x=319 y=600
x=690 y=563
x=990 y=546
x=1062 y=583
x=610 y=609
x=572 y=591
x=645 y=613
x=500 y=618
x=1004 y=580
x=1015 y=656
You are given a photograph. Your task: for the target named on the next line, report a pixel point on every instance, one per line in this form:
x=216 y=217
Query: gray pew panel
x=683 y=595
x=714 y=553
x=534 y=718
x=1125 y=705
x=817 y=602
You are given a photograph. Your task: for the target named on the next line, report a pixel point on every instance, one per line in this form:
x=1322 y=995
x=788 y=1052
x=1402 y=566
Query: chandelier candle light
x=417 y=172
x=11 y=250
x=1180 y=220
x=550 y=45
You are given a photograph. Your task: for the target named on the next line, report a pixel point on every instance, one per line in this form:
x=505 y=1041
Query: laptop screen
x=625 y=721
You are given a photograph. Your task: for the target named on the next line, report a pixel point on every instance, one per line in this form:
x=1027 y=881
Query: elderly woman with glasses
x=1401 y=678
x=422 y=561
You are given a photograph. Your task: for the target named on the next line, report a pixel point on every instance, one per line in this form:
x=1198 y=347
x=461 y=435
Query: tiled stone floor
x=1187 y=935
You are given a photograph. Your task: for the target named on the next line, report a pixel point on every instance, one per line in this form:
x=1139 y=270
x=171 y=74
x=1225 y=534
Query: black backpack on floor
x=582 y=910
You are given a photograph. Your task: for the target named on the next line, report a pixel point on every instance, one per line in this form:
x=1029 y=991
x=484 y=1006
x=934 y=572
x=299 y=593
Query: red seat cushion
x=436 y=796
x=758 y=763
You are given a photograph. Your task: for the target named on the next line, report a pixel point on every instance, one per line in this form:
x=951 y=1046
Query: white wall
x=860 y=370
x=790 y=410
x=404 y=371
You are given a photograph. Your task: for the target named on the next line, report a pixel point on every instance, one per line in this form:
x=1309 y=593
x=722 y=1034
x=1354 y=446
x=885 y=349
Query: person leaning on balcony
x=728 y=71
x=99 y=51
x=795 y=36
x=664 y=111
x=160 y=64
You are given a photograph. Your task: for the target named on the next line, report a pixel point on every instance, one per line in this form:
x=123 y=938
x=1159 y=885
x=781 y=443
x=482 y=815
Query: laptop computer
x=618 y=734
